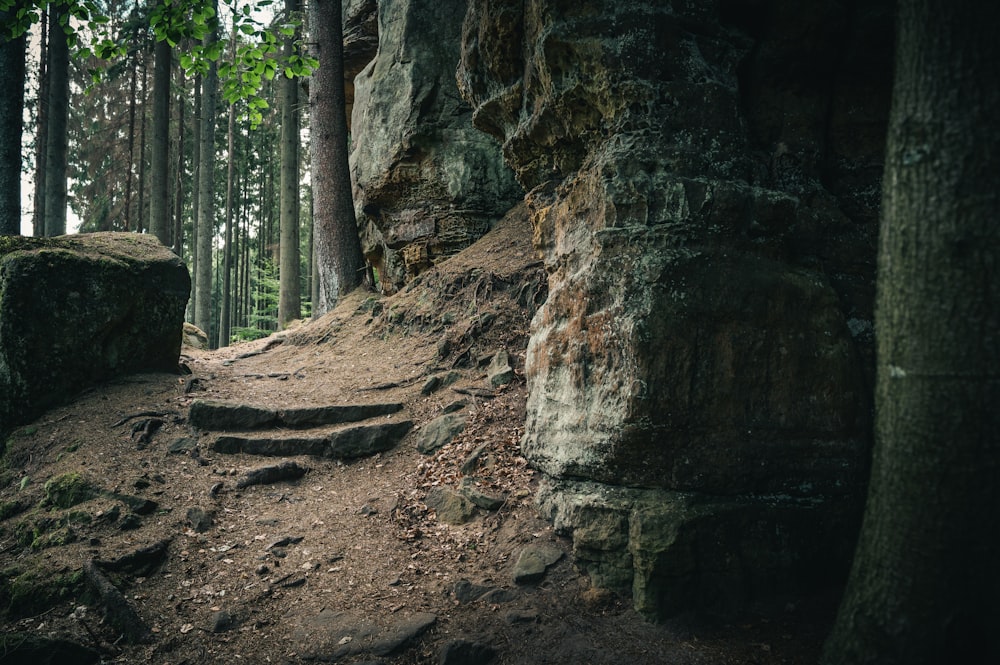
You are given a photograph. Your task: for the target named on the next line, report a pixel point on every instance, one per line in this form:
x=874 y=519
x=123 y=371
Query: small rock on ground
x=466 y=652
x=533 y=561
x=331 y=636
x=451 y=506
x=440 y=431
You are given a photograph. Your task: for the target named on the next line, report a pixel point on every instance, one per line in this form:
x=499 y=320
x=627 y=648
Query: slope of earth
x=346 y=563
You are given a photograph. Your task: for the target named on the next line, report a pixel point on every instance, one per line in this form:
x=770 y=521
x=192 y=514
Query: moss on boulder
x=77 y=310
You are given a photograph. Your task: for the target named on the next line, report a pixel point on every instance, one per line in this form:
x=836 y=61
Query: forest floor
x=346 y=563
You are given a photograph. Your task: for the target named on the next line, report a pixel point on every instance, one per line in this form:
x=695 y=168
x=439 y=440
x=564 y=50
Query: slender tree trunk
x=195 y=191
x=11 y=123
x=56 y=144
x=140 y=216
x=926 y=574
x=133 y=102
x=206 y=194
x=42 y=131
x=178 y=234
x=159 y=163
x=225 y=297
x=289 y=291
x=339 y=261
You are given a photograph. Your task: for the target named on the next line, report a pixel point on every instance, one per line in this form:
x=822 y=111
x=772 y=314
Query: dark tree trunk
x=11 y=123
x=133 y=102
x=339 y=261
x=289 y=293
x=159 y=162
x=56 y=144
x=926 y=574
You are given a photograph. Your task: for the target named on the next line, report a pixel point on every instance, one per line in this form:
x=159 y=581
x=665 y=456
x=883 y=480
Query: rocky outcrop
x=77 y=310
x=360 y=43
x=704 y=185
x=427 y=184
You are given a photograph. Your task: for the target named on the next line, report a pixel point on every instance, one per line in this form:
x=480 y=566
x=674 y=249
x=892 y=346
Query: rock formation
x=77 y=310
x=704 y=184
x=427 y=183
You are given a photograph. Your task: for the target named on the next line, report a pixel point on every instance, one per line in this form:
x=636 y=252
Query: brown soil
x=369 y=545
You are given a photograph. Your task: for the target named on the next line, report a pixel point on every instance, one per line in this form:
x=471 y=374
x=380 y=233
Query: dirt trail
x=348 y=562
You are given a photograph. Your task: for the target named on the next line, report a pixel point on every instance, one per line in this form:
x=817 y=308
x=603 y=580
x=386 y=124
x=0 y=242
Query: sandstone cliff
x=703 y=180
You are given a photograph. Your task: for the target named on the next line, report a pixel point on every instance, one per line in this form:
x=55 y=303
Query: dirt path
x=348 y=562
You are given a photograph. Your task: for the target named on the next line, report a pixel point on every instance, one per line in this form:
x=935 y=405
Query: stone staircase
x=342 y=431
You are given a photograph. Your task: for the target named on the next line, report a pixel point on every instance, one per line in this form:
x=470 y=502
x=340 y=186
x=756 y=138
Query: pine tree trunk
x=289 y=294
x=56 y=144
x=206 y=197
x=225 y=297
x=195 y=189
x=133 y=102
x=159 y=162
x=926 y=574
x=42 y=131
x=11 y=111
x=178 y=233
x=339 y=261
x=140 y=216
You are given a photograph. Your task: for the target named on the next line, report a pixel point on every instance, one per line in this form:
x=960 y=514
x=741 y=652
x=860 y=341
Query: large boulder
x=427 y=183
x=77 y=310
x=704 y=185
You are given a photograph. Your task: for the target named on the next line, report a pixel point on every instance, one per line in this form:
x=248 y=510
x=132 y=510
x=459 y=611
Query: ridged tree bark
x=339 y=260
x=56 y=143
x=289 y=294
x=11 y=111
x=159 y=162
x=926 y=576
x=206 y=194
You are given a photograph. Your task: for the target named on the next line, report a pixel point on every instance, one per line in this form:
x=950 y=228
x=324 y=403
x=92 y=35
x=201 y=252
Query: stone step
x=219 y=416
x=347 y=443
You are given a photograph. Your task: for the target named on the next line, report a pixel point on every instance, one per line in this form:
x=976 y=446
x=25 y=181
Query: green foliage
x=248 y=334
x=257 y=58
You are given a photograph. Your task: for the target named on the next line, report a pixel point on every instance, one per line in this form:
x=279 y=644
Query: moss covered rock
x=77 y=310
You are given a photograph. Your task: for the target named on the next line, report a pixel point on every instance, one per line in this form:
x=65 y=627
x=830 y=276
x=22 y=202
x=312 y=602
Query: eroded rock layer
x=704 y=184
x=427 y=183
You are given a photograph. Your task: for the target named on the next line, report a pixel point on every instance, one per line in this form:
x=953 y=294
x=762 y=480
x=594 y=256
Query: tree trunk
x=225 y=297
x=159 y=163
x=339 y=261
x=11 y=123
x=178 y=235
x=289 y=291
x=42 y=131
x=133 y=102
x=925 y=579
x=195 y=189
x=140 y=215
x=206 y=194
x=56 y=144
